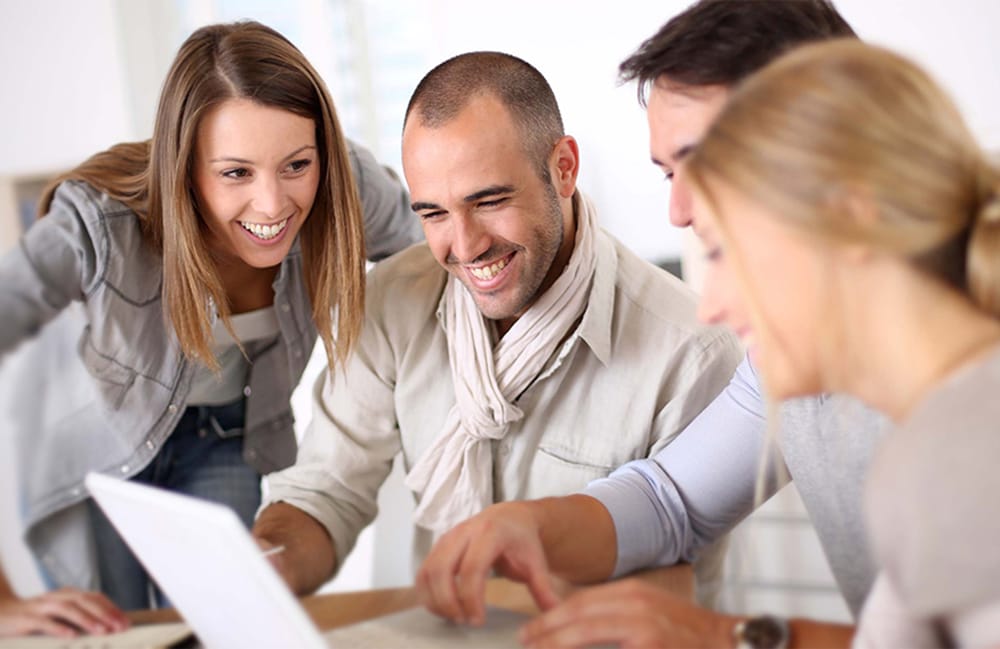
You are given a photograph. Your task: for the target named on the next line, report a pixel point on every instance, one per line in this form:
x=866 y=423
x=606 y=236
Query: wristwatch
x=761 y=632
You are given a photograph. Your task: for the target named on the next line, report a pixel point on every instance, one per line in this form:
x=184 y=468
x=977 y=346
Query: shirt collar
x=595 y=327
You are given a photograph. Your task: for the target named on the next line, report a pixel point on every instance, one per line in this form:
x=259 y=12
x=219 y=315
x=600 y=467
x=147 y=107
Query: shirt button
x=246 y=390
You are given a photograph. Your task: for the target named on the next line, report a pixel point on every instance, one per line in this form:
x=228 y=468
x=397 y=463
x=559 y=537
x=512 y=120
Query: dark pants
x=203 y=458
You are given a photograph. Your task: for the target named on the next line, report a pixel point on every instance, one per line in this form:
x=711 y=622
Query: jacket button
x=172 y=408
x=246 y=390
x=124 y=468
x=150 y=445
x=285 y=307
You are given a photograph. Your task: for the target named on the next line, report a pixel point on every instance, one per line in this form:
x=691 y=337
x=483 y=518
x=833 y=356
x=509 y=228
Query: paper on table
x=147 y=636
x=416 y=628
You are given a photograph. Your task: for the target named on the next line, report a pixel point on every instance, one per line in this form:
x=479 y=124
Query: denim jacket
x=113 y=411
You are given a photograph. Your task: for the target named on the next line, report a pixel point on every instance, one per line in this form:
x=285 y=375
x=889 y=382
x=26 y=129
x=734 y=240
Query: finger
x=473 y=571
x=582 y=630
x=425 y=594
x=68 y=609
x=102 y=609
x=533 y=567
x=543 y=589
x=592 y=603
x=41 y=624
x=438 y=574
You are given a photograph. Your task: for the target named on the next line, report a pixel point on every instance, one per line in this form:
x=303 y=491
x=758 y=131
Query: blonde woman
x=853 y=231
x=207 y=261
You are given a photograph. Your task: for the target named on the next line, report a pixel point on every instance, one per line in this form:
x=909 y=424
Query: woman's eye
x=299 y=165
x=668 y=176
x=236 y=173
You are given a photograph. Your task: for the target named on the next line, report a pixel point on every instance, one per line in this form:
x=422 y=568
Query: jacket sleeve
x=696 y=488
x=390 y=224
x=57 y=261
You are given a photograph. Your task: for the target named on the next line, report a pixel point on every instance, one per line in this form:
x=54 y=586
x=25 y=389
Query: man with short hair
x=665 y=509
x=521 y=352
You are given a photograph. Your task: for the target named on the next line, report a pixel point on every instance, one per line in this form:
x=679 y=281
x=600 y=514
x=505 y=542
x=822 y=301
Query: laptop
x=211 y=569
x=205 y=561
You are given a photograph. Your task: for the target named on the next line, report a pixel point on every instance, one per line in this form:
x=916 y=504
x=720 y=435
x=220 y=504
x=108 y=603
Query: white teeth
x=262 y=231
x=488 y=272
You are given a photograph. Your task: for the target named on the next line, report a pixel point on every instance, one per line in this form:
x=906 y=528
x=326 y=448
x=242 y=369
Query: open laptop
x=213 y=572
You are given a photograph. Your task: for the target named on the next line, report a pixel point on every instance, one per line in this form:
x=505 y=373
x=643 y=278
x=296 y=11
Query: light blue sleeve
x=390 y=224
x=665 y=508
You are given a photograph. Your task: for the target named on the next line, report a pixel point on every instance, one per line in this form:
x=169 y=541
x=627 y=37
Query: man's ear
x=564 y=165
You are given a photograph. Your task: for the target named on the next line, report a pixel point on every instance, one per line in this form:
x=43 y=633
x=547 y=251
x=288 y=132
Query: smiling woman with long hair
x=207 y=261
x=853 y=229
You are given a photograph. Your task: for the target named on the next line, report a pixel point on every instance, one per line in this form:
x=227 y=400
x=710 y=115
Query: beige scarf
x=454 y=477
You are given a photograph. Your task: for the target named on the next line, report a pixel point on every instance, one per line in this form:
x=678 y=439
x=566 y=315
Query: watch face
x=764 y=632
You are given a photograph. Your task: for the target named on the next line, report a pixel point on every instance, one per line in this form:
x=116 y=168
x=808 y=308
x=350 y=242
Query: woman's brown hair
x=243 y=60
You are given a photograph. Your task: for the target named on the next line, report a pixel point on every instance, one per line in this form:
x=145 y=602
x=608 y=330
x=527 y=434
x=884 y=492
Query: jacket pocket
x=112 y=378
x=554 y=473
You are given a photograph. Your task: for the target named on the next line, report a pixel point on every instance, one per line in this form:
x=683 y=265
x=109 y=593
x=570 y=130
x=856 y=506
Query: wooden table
x=333 y=610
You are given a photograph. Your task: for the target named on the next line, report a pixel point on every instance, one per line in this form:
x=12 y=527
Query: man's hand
x=504 y=537
x=308 y=558
x=628 y=613
x=67 y=613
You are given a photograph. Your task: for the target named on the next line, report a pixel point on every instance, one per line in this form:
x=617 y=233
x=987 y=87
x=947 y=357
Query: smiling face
x=488 y=217
x=768 y=282
x=678 y=117
x=255 y=172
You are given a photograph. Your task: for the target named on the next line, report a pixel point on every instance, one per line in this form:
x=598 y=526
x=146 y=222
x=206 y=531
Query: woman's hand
x=66 y=612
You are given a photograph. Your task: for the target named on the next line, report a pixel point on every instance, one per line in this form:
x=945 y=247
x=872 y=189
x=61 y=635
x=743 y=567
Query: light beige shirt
x=631 y=376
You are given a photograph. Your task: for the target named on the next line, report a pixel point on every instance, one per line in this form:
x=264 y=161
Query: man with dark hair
x=665 y=509
x=721 y=42
x=520 y=353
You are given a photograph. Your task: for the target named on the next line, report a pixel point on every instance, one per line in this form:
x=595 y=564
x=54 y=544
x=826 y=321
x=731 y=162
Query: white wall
x=79 y=75
x=62 y=81
x=72 y=90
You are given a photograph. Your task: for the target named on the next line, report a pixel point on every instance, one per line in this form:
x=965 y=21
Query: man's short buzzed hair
x=721 y=42
x=447 y=89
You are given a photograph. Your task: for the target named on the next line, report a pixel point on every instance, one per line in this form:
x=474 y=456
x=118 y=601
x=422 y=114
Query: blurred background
x=80 y=75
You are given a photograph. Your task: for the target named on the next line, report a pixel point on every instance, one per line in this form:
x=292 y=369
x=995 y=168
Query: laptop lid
x=202 y=557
